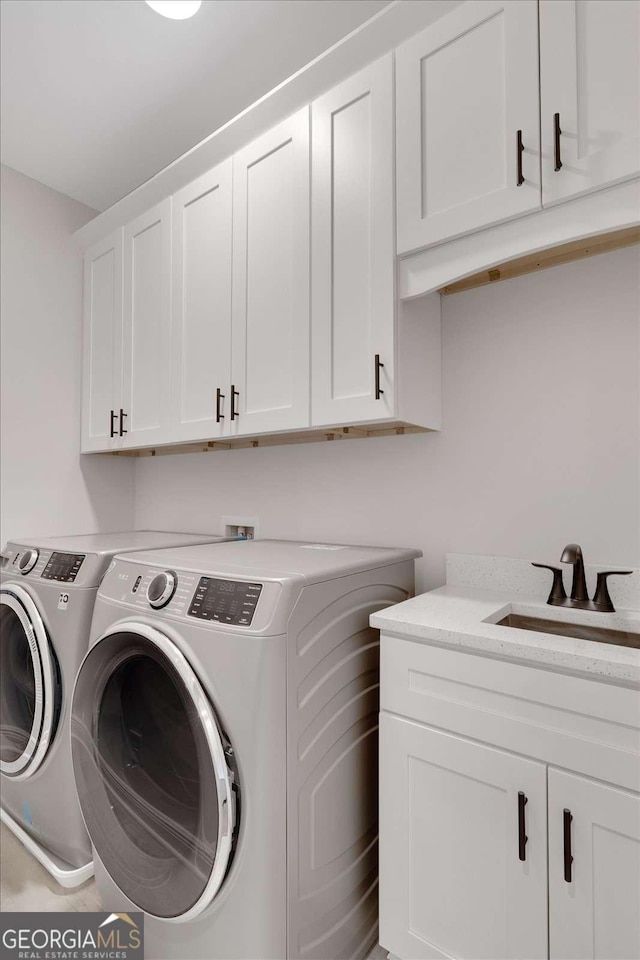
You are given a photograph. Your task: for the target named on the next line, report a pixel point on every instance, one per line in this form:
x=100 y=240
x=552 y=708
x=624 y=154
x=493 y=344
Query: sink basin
x=580 y=631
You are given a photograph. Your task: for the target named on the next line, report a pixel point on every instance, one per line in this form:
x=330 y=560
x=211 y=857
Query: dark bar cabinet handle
x=556 y=142
x=234 y=393
x=377 y=367
x=568 y=859
x=522 y=836
x=112 y=427
x=122 y=419
x=219 y=397
x=519 y=152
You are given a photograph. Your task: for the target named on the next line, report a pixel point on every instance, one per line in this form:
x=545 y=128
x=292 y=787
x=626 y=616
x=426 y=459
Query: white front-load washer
x=48 y=589
x=225 y=746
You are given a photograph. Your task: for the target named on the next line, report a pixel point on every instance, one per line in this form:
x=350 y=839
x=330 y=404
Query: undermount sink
x=580 y=631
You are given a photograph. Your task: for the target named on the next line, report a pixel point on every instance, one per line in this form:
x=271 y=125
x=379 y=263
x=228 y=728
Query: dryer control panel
x=63 y=567
x=225 y=601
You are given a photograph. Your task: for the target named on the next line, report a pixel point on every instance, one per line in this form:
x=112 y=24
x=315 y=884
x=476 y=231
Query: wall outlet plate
x=241 y=526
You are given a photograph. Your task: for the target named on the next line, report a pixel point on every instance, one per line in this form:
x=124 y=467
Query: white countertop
x=466 y=618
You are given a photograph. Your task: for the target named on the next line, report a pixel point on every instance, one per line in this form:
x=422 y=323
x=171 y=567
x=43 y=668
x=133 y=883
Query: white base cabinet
x=594 y=870
x=507 y=826
x=453 y=814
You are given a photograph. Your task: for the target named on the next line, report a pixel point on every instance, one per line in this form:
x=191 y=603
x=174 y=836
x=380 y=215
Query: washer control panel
x=225 y=601
x=63 y=567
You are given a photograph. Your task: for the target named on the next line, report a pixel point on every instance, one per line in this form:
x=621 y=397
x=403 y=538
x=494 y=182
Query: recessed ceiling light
x=175 y=9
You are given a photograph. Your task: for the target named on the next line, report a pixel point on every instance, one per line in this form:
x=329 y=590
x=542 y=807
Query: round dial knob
x=28 y=561
x=162 y=588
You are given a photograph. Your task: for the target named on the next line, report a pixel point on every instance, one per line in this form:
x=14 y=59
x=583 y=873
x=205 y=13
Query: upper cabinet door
x=147 y=321
x=353 y=307
x=466 y=96
x=201 y=321
x=270 y=354
x=457 y=878
x=589 y=62
x=102 y=344
x=593 y=898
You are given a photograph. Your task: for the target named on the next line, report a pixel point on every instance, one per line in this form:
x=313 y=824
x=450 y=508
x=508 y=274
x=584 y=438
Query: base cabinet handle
x=568 y=859
x=522 y=835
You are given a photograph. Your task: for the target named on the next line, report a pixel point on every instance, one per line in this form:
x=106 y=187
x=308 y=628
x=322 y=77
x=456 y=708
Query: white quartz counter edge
x=466 y=617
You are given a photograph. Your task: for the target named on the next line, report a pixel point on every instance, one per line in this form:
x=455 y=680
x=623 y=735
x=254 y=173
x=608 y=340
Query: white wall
x=46 y=487
x=540 y=443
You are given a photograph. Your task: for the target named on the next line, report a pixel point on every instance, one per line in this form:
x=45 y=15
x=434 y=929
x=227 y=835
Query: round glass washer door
x=155 y=788
x=29 y=685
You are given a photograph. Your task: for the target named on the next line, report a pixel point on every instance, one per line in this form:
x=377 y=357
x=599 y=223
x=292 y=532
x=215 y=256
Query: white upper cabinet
x=594 y=870
x=201 y=294
x=467 y=100
x=353 y=304
x=457 y=878
x=270 y=330
x=590 y=90
x=146 y=371
x=102 y=346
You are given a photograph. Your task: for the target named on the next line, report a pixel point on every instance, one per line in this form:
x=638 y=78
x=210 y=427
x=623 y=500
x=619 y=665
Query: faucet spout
x=572 y=554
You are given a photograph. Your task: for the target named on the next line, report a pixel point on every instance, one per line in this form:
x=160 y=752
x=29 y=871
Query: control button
x=28 y=561
x=161 y=589
x=134 y=588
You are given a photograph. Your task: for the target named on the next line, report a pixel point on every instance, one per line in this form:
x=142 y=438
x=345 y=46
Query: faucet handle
x=558 y=594
x=601 y=597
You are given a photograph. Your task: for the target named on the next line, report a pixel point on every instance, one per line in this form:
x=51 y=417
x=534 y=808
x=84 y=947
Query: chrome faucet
x=579 y=598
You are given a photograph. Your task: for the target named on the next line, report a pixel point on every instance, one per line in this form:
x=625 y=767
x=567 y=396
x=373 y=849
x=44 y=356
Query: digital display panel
x=225 y=601
x=63 y=567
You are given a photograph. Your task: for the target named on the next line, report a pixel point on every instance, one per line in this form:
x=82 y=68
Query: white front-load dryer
x=225 y=746
x=48 y=589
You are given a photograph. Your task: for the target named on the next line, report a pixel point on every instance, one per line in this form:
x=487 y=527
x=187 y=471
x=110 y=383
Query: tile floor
x=25 y=885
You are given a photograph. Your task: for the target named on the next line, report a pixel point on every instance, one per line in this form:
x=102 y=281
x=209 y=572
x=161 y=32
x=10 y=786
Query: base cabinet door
x=102 y=345
x=146 y=369
x=201 y=300
x=467 y=101
x=353 y=250
x=270 y=328
x=457 y=878
x=594 y=870
x=590 y=95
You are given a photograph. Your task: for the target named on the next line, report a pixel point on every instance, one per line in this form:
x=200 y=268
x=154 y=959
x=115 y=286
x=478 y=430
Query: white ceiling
x=98 y=95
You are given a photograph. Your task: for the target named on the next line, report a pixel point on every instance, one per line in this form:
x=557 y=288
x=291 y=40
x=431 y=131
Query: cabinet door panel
x=464 y=87
x=201 y=321
x=451 y=881
x=589 y=66
x=595 y=916
x=147 y=321
x=270 y=352
x=352 y=316
x=102 y=346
